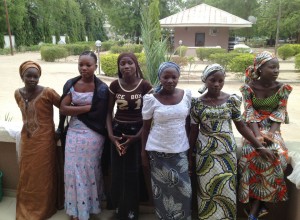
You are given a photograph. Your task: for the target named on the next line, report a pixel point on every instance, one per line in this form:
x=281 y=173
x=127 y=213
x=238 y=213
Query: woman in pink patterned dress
x=85 y=100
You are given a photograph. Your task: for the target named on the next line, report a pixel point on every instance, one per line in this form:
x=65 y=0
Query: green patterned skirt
x=217 y=181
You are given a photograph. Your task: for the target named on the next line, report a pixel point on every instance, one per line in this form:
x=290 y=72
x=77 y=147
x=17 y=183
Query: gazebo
x=202 y=26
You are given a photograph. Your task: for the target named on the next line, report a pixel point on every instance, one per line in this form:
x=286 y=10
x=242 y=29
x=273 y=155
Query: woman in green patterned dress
x=211 y=134
x=265 y=102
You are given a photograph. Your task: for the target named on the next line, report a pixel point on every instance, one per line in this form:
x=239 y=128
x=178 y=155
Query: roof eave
x=206 y=25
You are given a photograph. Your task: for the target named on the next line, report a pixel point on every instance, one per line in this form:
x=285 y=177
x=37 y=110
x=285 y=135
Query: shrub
x=50 y=54
x=204 y=53
x=109 y=64
x=241 y=50
x=256 y=42
x=29 y=48
x=296 y=48
x=286 y=51
x=4 y=51
x=179 y=60
x=181 y=51
x=76 y=49
x=133 y=48
x=297 y=61
x=106 y=45
x=239 y=64
x=222 y=58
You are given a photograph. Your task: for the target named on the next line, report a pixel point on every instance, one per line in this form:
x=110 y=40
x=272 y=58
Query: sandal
x=262 y=212
x=252 y=217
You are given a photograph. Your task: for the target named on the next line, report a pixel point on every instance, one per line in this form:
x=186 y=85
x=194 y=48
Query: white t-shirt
x=168 y=132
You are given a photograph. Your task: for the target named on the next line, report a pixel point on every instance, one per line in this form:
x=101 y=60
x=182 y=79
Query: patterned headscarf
x=252 y=72
x=162 y=68
x=210 y=69
x=29 y=64
x=134 y=59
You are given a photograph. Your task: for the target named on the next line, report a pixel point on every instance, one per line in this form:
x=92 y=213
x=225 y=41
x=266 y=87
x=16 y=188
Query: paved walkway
x=55 y=75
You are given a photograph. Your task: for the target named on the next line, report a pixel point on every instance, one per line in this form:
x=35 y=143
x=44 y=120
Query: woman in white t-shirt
x=165 y=145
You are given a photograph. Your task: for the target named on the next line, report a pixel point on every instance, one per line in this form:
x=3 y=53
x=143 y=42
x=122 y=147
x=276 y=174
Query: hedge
x=51 y=54
x=181 y=51
x=297 y=61
x=76 y=49
x=239 y=64
x=286 y=51
x=204 y=53
x=222 y=58
x=133 y=48
x=109 y=63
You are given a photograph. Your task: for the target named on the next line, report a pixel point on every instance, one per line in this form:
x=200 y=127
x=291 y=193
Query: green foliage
x=154 y=17
x=204 y=53
x=50 y=54
x=133 y=48
x=22 y=48
x=1 y=40
x=181 y=51
x=180 y=60
x=297 y=61
x=36 y=21
x=155 y=50
x=76 y=49
x=109 y=64
x=241 y=50
x=4 y=51
x=106 y=45
x=239 y=63
x=256 y=42
x=296 y=48
x=286 y=51
x=222 y=58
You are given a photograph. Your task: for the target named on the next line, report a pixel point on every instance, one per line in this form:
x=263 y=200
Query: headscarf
x=252 y=72
x=29 y=64
x=134 y=59
x=210 y=69
x=162 y=68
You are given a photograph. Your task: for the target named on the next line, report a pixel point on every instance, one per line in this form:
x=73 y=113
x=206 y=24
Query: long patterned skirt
x=261 y=179
x=83 y=176
x=171 y=185
x=216 y=177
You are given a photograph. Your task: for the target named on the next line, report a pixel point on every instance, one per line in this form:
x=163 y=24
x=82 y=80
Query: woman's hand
x=117 y=142
x=268 y=138
x=261 y=140
x=127 y=141
x=266 y=153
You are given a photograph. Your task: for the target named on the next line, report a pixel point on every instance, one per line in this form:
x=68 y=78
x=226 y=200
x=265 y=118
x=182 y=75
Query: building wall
x=212 y=39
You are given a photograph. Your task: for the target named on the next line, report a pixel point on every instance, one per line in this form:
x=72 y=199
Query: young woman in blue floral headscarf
x=265 y=102
x=212 y=137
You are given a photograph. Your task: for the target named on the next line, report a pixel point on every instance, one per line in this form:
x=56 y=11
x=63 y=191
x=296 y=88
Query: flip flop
x=252 y=217
x=262 y=212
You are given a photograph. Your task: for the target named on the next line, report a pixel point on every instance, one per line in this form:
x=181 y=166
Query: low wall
x=8 y=165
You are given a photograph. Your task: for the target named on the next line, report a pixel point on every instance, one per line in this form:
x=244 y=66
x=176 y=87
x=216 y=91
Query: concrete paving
x=55 y=74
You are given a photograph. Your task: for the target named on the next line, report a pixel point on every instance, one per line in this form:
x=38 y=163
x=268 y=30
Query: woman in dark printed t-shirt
x=124 y=130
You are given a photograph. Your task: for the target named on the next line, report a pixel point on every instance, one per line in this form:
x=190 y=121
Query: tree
x=155 y=48
x=35 y=21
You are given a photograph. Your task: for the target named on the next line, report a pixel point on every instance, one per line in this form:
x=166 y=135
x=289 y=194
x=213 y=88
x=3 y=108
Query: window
x=199 y=39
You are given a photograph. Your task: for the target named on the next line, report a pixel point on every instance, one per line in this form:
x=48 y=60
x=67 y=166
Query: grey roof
x=204 y=15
